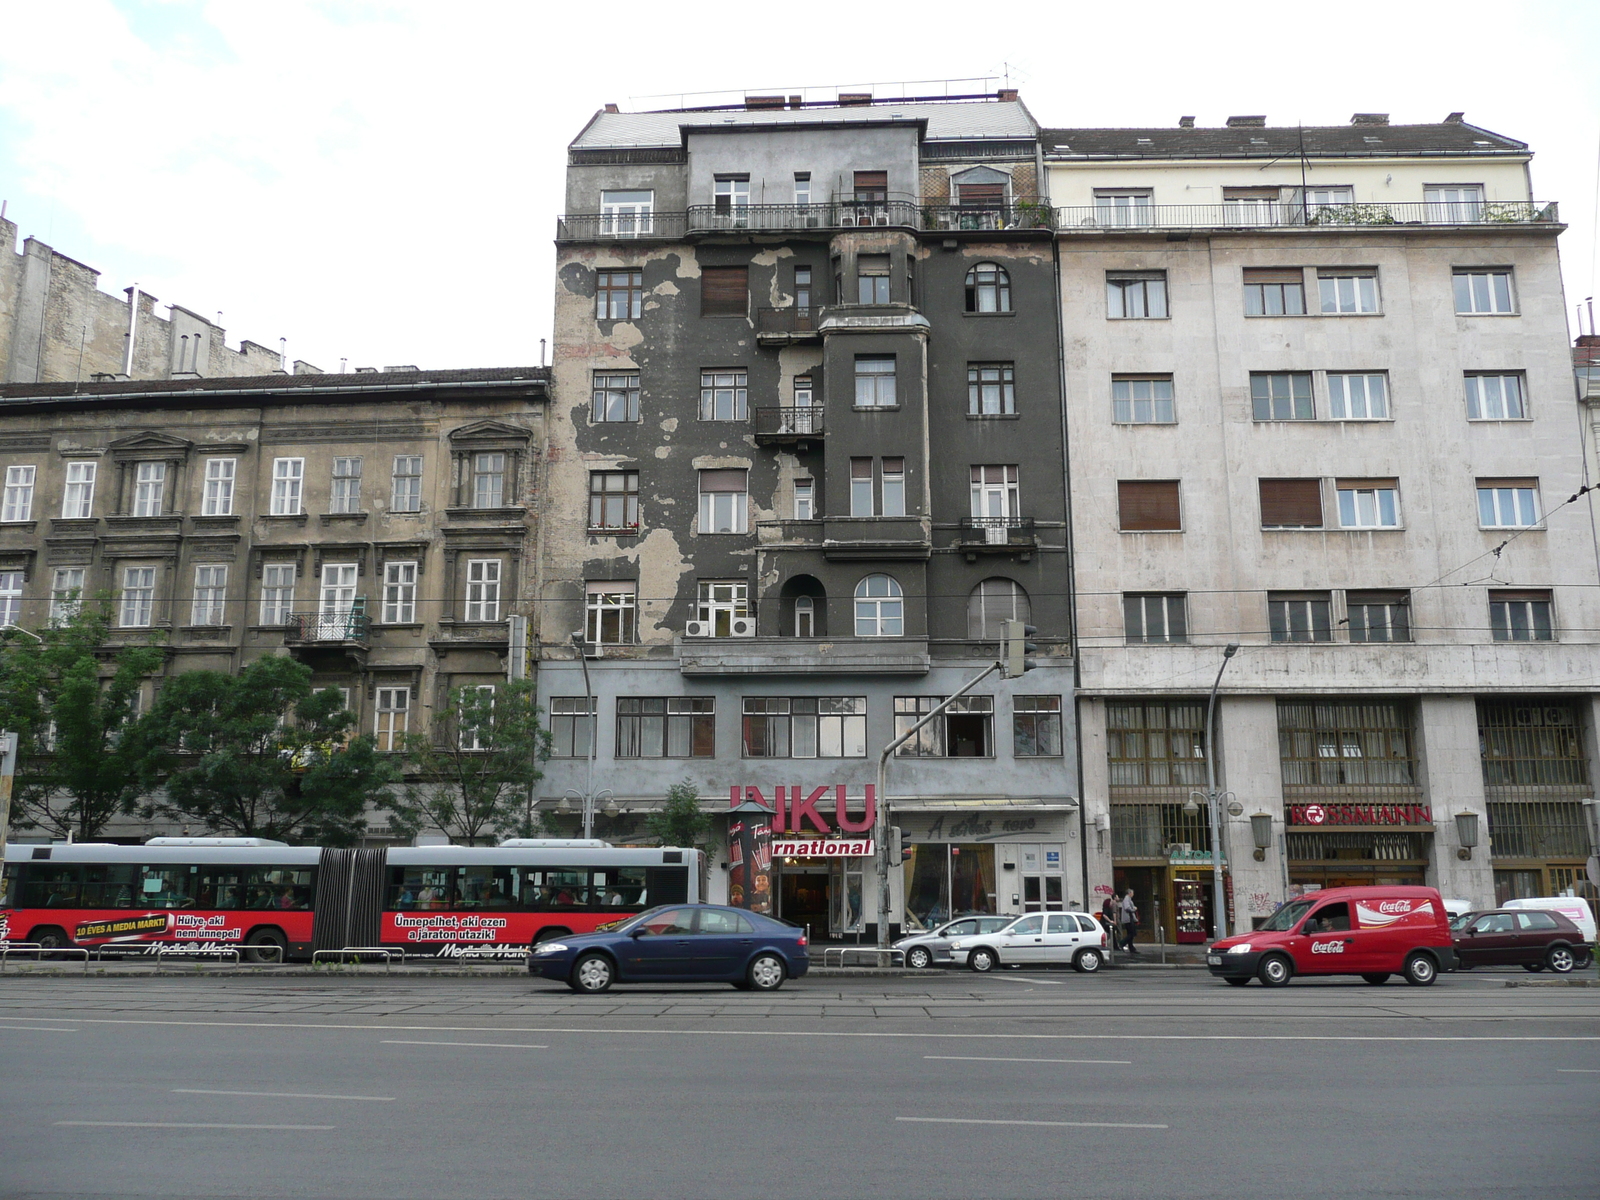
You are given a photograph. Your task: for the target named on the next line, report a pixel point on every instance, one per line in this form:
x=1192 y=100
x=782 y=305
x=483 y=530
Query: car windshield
x=642 y=917
x=1461 y=922
x=1288 y=916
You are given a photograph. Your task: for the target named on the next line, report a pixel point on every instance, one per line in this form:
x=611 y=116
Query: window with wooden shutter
x=1291 y=503
x=871 y=185
x=1145 y=505
x=724 y=291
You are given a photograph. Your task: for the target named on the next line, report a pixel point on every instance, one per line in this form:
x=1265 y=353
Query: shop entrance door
x=803 y=897
x=844 y=887
x=1043 y=886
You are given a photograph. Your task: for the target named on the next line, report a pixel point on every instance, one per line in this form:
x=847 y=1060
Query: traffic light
x=1016 y=650
x=899 y=852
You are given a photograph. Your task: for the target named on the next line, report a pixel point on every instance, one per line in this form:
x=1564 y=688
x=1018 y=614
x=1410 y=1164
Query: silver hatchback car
x=933 y=947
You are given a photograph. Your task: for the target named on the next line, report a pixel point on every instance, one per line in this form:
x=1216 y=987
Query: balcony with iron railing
x=997 y=535
x=779 y=326
x=1095 y=218
x=787 y=426
x=335 y=630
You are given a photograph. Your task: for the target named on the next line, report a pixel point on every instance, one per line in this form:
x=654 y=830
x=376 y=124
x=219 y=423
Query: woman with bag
x=1130 y=922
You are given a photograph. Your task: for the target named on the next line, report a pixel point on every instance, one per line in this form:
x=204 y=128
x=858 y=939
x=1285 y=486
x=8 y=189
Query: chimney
x=1369 y=118
x=751 y=102
x=1246 y=122
x=796 y=102
x=1185 y=122
x=1008 y=94
x=848 y=99
x=612 y=108
x=1456 y=119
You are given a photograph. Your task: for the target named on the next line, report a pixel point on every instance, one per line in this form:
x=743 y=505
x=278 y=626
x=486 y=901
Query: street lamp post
x=588 y=797
x=1219 y=909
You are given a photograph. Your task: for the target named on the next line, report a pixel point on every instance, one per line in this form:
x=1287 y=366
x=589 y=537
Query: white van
x=1573 y=908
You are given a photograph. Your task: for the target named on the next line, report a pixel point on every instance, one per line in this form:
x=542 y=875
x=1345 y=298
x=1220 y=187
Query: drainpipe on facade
x=133 y=328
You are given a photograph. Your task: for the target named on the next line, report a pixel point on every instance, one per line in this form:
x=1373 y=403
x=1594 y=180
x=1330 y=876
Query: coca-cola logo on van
x=1394 y=906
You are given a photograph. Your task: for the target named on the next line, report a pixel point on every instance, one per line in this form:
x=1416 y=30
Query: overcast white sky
x=380 y=181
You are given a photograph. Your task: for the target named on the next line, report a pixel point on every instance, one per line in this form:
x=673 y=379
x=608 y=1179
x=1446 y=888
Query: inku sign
x=1360 y=814
x=798 y=812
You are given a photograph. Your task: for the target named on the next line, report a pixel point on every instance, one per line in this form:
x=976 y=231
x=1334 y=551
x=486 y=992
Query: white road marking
x=1053 y=1124
x=834 y=1033
x=185 y=1125
x=488 y=1045
x=1025 y=979
x=38 y=1028
x=274 y=1095
x=1103 y=1062
x=1578 y=1070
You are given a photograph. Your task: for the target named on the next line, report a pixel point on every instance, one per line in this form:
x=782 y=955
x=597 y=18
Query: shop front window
x=944 y=880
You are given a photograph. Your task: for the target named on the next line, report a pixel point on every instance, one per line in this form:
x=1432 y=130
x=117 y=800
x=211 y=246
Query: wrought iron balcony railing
x=980 y=217
x=1276 y=214
x=330 y=628
x=997 y=531
x=788 y=423
x=792 y=320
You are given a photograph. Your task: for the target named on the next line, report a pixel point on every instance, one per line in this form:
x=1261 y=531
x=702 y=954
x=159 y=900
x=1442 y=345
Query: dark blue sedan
x=679 y=943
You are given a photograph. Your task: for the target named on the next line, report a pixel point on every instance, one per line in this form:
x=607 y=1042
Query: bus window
x=551 y=891
x=110 y=886
x=164 y=887
x=8 y=882
x=418 y=888
x=220 y=887
x=479 y=889
x=620 y=887
x=286 y=889
x=668 y=885
x=48 y=885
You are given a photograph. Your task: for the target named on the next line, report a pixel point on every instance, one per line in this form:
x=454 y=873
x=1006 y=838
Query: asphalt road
x=1129 y=1084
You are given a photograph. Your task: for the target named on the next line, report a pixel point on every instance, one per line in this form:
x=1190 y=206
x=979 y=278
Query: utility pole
x=1219 y=910
x=8 y=775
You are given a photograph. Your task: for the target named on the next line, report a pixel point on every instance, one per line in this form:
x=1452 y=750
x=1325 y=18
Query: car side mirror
x=637 y=932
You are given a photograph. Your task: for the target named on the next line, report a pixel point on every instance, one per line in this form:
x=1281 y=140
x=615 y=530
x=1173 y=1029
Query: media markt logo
x=1315 y=814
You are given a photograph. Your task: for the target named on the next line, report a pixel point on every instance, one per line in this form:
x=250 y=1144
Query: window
x=724 y=395
x=470 y=718
x=995 y=493
x=338 y=591
x=802 y=190
x=804 y=499
x=399 y=592
x=18 y=504
x=1524 y=743
x=724 y=501
x=1155 y=618
x=991 y=604
x=393 y=717
x=872 y=279
x=626 y=214
x=1281 y=396
x=731 y=198
x=613 y=499
x=1142 y=400
x=287 y=476
x=1350 y=743
x=1299 y=616
x=1368 y=504
x=217 y=500
x=880 y=607
x=1454 y=204
x=1379 y=616
x=10 y=597
x=483 y=589
x=1123 y=207
x=1317 y=197
x=988 y=289
x=1358 y=397
x=991 y=390
x=721 y=602
x=616 y=396
x=488 y=480
x=210 y=589
x=1274 y=292
x=345 y=496
x=861 y=498
x=572 y=720
x=149 y=489
x=1347 y=291
x=1036 y=727
x=802 y=296
x=611 y=611
x=277 y=592
x=618 y=295
x=724 y=291
x=1495 y=398
x=805 y=727
x=407 y=492
x=894 y=487
x=1251 y=205
x=1291 y=503
x=874 y=382
x=1482 y=290
x=66 y=593
x=964 y=730
x=138 y=597
x=805 y=616
x=666 y=727
x=1520 y=617
x=1508 y=503
x=1146 y=505
x=1136 y=295
x=78 y=500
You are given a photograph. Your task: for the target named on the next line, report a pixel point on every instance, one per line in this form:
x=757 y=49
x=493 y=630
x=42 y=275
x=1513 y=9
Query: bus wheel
x=265 y=939
x=50 y=937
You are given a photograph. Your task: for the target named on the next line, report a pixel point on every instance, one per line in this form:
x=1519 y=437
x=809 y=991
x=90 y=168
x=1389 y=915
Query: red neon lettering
x=780 y=800
x=801 y=810
x=846 y=825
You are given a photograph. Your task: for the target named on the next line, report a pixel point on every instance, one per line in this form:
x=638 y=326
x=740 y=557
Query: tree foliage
x=680 y=821
x=73 y=702
x=474 y=773
x=259 y=754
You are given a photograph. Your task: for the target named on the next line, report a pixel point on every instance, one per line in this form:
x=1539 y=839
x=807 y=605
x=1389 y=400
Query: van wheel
x=1275 y=971
x=259 y=947
x=919 y=958
x=1376 y=978
x=983 y=960
x=1420 y=970
x=1560 y=959
x=1087 y=962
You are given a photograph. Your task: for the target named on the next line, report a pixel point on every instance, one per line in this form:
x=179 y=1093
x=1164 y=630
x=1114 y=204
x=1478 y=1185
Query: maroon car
x=1529 y=938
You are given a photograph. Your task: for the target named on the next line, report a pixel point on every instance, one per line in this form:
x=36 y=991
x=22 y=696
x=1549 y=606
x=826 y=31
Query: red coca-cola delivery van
x=1373 y=932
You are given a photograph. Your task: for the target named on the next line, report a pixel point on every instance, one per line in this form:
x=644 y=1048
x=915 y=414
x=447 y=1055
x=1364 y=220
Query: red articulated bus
x=254 y=894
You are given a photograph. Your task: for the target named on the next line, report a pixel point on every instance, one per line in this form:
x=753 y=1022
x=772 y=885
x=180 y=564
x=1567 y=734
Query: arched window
x=805 y=617
x=992 y=602
x=880 y=610
x=988 y=289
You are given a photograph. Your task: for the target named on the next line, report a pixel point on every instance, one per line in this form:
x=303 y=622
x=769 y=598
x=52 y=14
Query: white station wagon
x=1038 y=939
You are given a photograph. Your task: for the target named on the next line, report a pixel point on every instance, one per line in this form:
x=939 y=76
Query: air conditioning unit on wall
x=742 y=627
x=697 y=629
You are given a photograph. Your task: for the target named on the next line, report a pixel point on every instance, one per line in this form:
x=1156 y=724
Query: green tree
x=680 y=821
x=260 y=754
x=475 y=772
x=73 y=702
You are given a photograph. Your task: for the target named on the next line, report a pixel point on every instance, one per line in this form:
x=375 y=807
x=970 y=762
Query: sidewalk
x=1151 y=954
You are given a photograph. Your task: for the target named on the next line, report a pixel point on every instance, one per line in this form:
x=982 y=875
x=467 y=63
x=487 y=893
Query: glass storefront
x=945 y=880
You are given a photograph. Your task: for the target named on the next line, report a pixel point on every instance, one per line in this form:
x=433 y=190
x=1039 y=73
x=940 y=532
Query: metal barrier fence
x=841 y=956
x=359 y=952
x=34 y=948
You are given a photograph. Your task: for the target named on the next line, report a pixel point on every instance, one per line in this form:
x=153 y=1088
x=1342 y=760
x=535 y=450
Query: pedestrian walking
x=1130 y=922
x=1111 y=918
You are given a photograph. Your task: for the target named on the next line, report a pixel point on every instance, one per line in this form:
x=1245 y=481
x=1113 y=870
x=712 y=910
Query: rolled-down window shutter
x=724 y=291
x=1148 y=504
x=1291 y=503
x=723 y=480
x=868 y=180
x=1274 y=275
x=982 y=193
